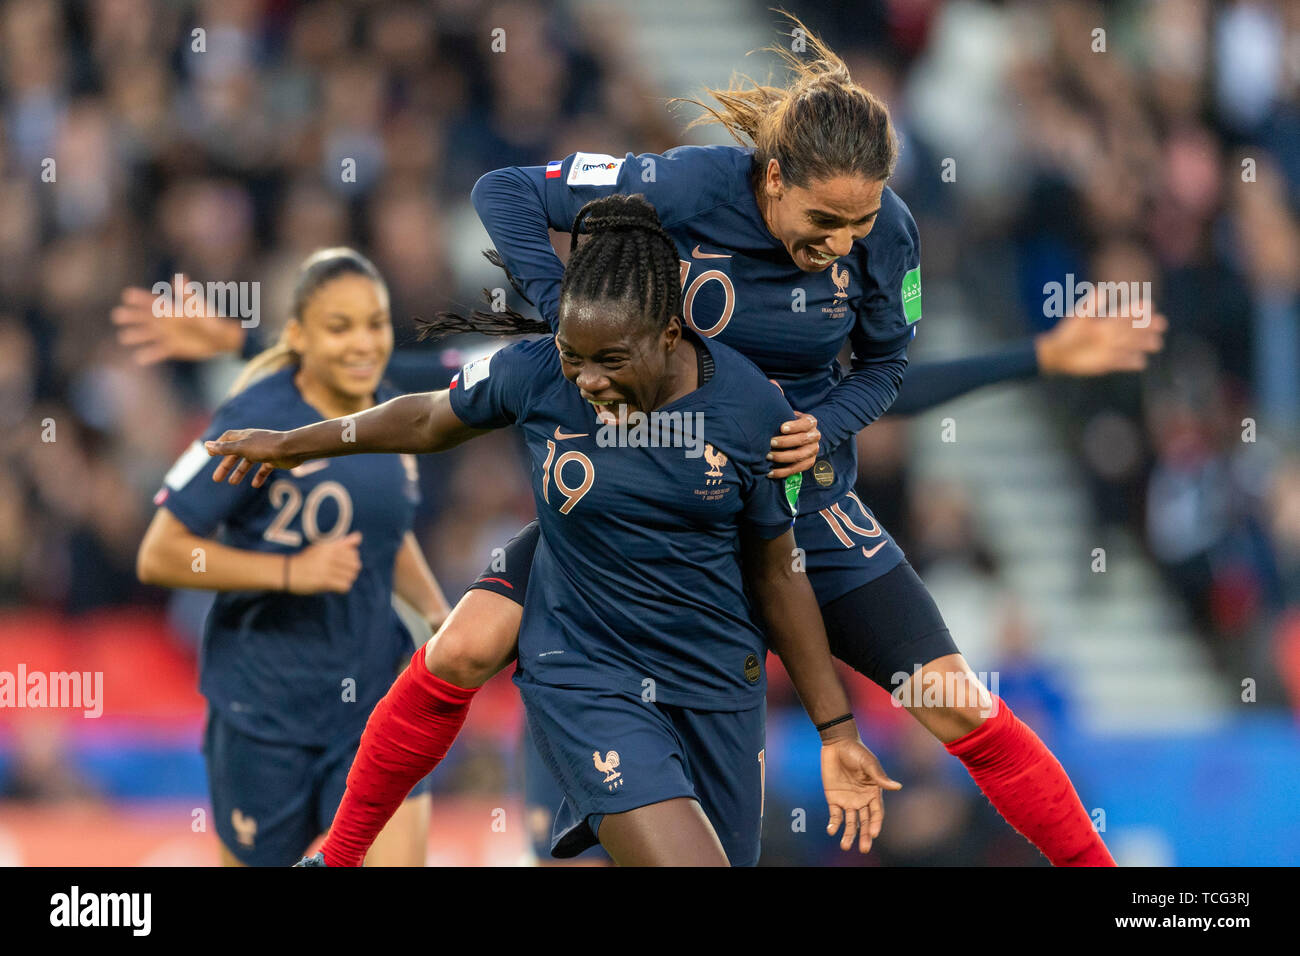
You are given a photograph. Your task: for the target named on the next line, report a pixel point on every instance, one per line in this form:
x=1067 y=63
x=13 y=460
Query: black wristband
x=831 y=723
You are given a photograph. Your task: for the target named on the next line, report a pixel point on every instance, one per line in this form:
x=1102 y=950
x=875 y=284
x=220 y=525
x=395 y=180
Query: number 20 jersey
x=301 y=669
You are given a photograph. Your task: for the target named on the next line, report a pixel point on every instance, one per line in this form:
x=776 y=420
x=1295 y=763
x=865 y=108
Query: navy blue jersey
x=636 y=583
x=739 y=283
x=301 y=669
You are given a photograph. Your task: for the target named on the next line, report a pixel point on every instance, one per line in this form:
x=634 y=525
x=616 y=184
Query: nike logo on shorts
x=560 y=436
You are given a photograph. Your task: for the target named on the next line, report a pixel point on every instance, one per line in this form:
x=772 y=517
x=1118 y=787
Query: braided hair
x=621 y=253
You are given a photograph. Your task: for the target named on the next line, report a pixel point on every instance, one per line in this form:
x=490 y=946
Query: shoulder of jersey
x=742 y=380
x=895 y=222
x=535 y=354
x=718 y=172
x=270 y=392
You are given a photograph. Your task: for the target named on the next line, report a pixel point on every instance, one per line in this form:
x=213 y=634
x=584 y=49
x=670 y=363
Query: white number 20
x=287 y=499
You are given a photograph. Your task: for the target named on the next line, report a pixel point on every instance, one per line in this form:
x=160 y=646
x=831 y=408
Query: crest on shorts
x=609 y=767
x=245 y=827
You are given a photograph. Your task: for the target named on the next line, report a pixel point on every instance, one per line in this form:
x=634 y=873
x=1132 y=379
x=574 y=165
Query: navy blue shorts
x=612 y=752
x=270 y=800
x=542 y=799
x=844 y=548
x=879 y=617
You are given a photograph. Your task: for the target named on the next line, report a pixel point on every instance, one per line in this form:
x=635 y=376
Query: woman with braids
x=302 y=639
x=640 y=662
x=786 y=249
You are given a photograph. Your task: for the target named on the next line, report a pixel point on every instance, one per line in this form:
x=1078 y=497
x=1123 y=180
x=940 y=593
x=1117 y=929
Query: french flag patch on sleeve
x=553 y=169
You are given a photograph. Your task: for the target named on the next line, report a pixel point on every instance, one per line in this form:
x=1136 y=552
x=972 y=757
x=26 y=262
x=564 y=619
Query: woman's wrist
x=840 y=728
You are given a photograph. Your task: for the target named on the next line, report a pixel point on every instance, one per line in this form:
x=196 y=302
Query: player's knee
x=457 y=656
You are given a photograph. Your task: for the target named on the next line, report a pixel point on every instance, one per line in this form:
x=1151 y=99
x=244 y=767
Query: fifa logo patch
x=609 y=767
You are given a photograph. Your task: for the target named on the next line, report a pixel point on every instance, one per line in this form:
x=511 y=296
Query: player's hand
x=242 y=448
x=795 y=448
x=1085 y=345
x=853 y=779
x=327 y=566
x=155 y=338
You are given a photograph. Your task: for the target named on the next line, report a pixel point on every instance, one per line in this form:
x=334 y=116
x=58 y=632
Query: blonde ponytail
x=265 y=363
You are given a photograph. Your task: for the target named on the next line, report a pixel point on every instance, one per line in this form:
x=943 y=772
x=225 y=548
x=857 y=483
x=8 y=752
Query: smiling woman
x=640 y=595
x=302 y=639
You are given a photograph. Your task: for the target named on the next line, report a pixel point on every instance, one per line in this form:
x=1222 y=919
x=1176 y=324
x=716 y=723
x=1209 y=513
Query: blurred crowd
x=1131 y=142
x=141 y=138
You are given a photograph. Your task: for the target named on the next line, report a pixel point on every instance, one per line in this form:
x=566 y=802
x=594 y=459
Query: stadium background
x=1168 y=684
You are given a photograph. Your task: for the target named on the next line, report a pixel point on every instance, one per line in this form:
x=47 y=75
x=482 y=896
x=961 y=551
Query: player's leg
x=672 y=832
x=413 y=726
x=229 y=859
x=404 y=840
x=542 y=799
x=477 y=641
x=726 y=762
x=889 y=629
x=621 y=766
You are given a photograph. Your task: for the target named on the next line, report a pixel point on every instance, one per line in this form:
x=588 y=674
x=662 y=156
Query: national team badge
x=716 y=460
x=609 y=767
x=841 y=279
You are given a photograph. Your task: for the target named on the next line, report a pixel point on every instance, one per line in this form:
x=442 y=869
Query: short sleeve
x=770 y=505
x=496 y=391
x=678 y=183
x=892 y=306
x=188 y=490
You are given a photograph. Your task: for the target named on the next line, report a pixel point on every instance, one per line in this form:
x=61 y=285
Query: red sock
x=1030 y=788
x=408 y=733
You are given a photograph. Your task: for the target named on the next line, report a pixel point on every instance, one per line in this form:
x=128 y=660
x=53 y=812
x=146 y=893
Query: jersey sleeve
x=188 y=490
x=520 y=204
x=933 y=383
x=497 y=391
x=885 y=326
x=770 y=505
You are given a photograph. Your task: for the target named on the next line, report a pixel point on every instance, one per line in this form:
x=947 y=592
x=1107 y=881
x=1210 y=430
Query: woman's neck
x=327 y=401
x=683 y=373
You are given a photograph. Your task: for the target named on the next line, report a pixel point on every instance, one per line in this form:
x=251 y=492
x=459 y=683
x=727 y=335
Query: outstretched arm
x=412 y=424
x=1080 y=345
x=851 y=774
